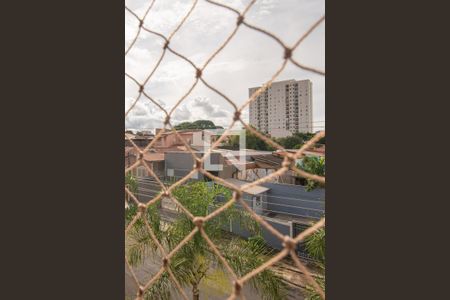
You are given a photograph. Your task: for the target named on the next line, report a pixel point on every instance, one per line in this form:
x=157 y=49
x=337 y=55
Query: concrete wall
x=147 y=189
x=273 y=241
x=283 y=227
x=227 y=171
x=197 y=138
x=295 y=200
x=171 y=139
x=315 y=199
x=182 y=163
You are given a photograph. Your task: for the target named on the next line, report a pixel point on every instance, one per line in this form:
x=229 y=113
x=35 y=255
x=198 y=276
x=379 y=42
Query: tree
x=315 y=245
x=321 y=141
x=294 y=141
x=195 y=263
x=313 y=165
x=184 y=125
x=251 y=142
x=131 y=182
x=132 y=185
x=199 y=124
x=291 y=142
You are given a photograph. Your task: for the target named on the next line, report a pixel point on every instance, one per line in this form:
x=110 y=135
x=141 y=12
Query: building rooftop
x=158 y=156
x=254 y=190
x=148 y=156
x=245 y=152
x=309 y=152
x=268 y=161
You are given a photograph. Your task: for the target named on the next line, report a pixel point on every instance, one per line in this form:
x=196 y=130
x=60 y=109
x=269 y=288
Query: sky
x=249 y=60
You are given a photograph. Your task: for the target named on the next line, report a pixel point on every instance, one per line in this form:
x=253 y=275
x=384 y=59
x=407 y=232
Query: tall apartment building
x=284 y=108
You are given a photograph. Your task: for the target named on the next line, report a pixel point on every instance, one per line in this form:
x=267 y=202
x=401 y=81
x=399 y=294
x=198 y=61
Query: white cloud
x=209 y=110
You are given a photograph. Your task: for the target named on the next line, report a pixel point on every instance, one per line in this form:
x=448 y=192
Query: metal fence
x=289 y=244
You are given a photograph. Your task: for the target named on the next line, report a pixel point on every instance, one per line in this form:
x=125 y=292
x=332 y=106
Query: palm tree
x=315 y=245
x=195 y=263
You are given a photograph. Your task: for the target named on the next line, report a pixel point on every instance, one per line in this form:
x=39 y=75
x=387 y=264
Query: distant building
x=139 y=140
x=169 y=139
x=283 y=109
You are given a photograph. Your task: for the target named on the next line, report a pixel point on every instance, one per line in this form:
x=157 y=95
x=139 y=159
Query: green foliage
x=199 y=124
x=321 y=141
x=130 y=212
x=131 y=183
x=251 y=142
x=315 y=245
x=294 y=141
x=245 y=256
x=142 y=244
x=313 y=165
x=195 y=263
x=312 y=294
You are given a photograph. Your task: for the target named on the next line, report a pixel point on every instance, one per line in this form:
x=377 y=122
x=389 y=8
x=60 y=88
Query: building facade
x=283 y=109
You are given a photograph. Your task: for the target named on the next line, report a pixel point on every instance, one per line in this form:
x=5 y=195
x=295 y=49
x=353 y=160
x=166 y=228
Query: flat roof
x=148 y=156
x=244 y=152
x=254 y=190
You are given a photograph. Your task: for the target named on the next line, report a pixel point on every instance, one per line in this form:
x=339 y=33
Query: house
x=155 y=160
x=178 y=164
x=169 y=139
x=141 y=140
x=255 y=196
x=288 y=207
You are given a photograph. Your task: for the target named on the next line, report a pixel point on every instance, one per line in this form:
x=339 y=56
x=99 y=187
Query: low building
x=178 y=164
x=139 y=140
x=155 y=161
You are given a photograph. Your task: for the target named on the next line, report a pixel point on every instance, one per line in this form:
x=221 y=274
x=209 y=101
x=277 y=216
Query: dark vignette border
x=62 y=126
x=385 y=91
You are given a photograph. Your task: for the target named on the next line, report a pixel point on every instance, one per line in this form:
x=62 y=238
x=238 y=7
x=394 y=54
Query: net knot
x=287 y=163
x=237 y=115
x=165 y=262
x=142 y=207
x=237 y=195
x=197 y=164
x=198 y=73
x=240 y=20
x=167 y=120
x=237 y=287
x=140 y=291
x=198 y=221
x=288 y=243
x=140 y=155
x=287 y=53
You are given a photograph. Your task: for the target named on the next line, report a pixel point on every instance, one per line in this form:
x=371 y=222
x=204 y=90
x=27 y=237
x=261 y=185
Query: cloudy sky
x=249 y=60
